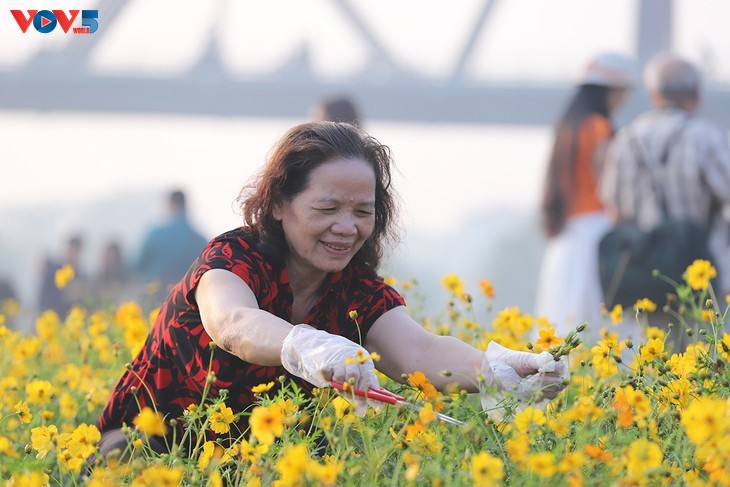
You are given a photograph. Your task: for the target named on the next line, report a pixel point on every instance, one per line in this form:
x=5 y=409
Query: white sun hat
x=610 y=69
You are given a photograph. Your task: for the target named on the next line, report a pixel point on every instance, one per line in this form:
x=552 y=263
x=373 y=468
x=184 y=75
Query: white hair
x=672 y=77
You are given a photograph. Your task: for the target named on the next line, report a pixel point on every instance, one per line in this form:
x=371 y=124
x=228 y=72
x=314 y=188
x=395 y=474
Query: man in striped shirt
x=669 y=163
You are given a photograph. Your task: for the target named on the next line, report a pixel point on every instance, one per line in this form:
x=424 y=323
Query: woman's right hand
x=320 y=357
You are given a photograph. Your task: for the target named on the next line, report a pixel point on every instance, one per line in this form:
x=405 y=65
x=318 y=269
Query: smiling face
x=327 y=223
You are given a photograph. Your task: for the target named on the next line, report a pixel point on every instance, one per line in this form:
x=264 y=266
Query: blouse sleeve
x=379 y=299
x=232 y=253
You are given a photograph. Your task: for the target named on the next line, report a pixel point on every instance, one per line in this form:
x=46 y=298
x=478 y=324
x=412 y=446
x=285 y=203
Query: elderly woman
x=275 y=295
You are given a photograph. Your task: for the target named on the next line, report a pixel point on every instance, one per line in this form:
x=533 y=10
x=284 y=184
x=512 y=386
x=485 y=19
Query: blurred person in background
x=574 y=220
x=295 y=291
x=668 y=154
x=62 y=280
x=169 y=248
x=9 y=305
x=337 y=108
x=111 y=280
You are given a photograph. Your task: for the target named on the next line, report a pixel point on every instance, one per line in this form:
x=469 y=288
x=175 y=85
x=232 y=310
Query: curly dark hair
x=286 y=174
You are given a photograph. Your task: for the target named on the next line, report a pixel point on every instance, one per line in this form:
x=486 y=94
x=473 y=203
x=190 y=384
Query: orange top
x=592 y=133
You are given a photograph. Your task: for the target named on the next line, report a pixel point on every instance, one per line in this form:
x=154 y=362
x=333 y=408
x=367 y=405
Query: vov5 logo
x=45 y=21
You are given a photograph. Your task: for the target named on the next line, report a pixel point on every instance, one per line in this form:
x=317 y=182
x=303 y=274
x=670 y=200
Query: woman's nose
x=345 y=225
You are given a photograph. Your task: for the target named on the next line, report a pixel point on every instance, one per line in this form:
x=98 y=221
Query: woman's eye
x=327 y=210
x=364 y=213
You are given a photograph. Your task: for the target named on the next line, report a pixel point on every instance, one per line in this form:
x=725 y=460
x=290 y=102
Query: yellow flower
x=723 y=347
x=64 y=275
x=486 y=470
x=654 y=348
x=47 y=325
x=426 y=415
x=543 y=464
x=518 y=447
x=654 y=332
x=362 y=358
x=707 y=315
x=30 y=479
x=642 y=457
x=292 y=464
x=647 y=305
x=602 y=358
x=638 y=401
x=704 y=418
x=221 y=419
x=325 y=474
x=249 y=453
x=23 y=412
x=6 y=448
x=43 y=439
x=453 y=284
x=425 y=442
x=262 y=388
x=558 y=426
x=487 y=289
x=39 y=391
x=699 y=273
x=206 y=455
x=159 y=476
x=571 y=461
x=342 y=406
x=216 y=480
x=267 y=423
x=617 y=314
x=150 y=422
x=67 y=405
x=135 y=334
x=84 y=440
x=529 y=417
x=547 y=339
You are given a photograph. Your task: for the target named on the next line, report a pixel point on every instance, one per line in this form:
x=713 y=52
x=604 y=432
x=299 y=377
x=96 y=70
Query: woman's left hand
x=525 y=373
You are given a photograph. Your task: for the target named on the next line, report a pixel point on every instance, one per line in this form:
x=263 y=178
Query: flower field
x=633 y=413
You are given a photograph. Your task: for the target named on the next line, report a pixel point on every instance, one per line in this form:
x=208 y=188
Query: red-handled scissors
x=384 y=395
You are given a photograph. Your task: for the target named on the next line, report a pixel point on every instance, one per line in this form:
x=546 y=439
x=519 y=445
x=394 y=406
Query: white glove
x=319 y=357
x=523 y=374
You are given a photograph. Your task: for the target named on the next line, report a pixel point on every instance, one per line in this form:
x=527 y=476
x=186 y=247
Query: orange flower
x=487 y=288
x=598 y=453
x=419 y=381
x=547 y=339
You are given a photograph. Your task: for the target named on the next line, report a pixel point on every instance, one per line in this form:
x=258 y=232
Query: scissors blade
x=440 y=416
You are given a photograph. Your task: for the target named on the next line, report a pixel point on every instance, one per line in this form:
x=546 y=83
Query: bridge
x=61 y=80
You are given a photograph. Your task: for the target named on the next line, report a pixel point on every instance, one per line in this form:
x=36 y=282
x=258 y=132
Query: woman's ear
x=276 y=212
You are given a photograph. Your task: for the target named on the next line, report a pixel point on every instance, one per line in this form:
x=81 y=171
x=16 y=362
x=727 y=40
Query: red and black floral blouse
x=174 y=360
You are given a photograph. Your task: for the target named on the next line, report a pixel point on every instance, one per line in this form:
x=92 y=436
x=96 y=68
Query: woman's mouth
x=337 y=247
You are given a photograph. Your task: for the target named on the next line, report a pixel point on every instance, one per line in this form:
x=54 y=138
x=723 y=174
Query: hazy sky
x=523 y=39
x=446 y=173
